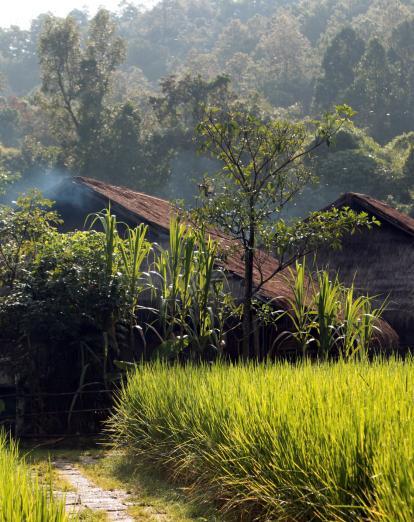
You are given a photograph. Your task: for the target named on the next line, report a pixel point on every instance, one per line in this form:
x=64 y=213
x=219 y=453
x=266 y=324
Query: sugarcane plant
x=327 y=303
x=329 y=316
x=359 y=324
x=301 y=315
x=189 y=292
x=122 y=281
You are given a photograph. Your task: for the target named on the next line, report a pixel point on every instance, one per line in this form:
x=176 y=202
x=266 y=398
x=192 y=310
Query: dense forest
x=117 y=96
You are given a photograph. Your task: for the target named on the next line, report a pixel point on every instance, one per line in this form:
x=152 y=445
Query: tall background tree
x=76 y=83
x=338 y=66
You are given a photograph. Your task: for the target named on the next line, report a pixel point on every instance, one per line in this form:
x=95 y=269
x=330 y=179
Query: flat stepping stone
x=87 y=495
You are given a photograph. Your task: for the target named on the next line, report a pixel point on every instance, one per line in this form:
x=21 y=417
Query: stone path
x=87 y=495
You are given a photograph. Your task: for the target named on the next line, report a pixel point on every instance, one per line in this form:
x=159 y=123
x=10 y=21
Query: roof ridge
x=381 y=208
x=95 y=182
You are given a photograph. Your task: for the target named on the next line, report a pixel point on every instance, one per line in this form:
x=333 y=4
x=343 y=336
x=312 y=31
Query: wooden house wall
x=380 y=263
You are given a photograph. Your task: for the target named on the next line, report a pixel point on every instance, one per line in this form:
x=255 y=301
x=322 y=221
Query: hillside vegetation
x=117 y=97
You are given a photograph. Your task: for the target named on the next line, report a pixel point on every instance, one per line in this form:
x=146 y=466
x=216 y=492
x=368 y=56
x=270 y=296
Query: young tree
x=264 y=170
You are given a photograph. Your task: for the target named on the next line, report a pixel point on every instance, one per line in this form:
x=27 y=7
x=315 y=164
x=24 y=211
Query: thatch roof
x=157 y=213
x=377 y=208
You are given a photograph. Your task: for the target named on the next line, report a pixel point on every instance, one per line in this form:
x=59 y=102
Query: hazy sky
x=21 y=12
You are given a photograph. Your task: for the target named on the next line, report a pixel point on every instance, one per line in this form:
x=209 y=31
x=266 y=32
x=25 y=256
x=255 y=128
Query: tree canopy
x=118 y=96
x=263 y=172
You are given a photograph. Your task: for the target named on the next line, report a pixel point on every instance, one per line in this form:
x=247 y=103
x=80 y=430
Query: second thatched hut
x=379 y=261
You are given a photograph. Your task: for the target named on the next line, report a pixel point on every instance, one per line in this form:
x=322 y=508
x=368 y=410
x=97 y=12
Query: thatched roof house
x=379 y=261
x=77 y=197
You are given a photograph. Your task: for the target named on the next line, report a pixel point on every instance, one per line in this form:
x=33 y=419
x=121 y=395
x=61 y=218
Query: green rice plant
x=323 y=442
x=22 y=497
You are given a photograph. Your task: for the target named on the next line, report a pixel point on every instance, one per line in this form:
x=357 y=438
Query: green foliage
x=373 y=91
x=278 y=442
x=263 y=168
x=9 y=168
x=301 y=314
x=70 y=277
x=134 y=251
x=191 y=298
x=6 y=178
x=23 y=229
x=354 y=162
x=94 y=117
x=326 y=314
x=295 y=239
x=338 y=64
x=183 y=99
x=359 y=323
x=109 y=225
x=263 y=172
x=9 y=127
x=327 y=301
x=22 y=496
x=125 y=152
x=76 y=82
x=70 y=291
x=86 y=300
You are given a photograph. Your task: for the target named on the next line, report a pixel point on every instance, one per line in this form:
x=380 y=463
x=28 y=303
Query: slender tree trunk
x=256 y=337
x=248 y=293
x=247 y=306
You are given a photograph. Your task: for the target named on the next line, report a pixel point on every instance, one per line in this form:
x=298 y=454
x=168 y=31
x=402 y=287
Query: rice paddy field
x=23 y=498
x=331 y=441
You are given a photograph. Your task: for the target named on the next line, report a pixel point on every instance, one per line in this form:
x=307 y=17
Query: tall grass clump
x=22 y=497
x=328 y=441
